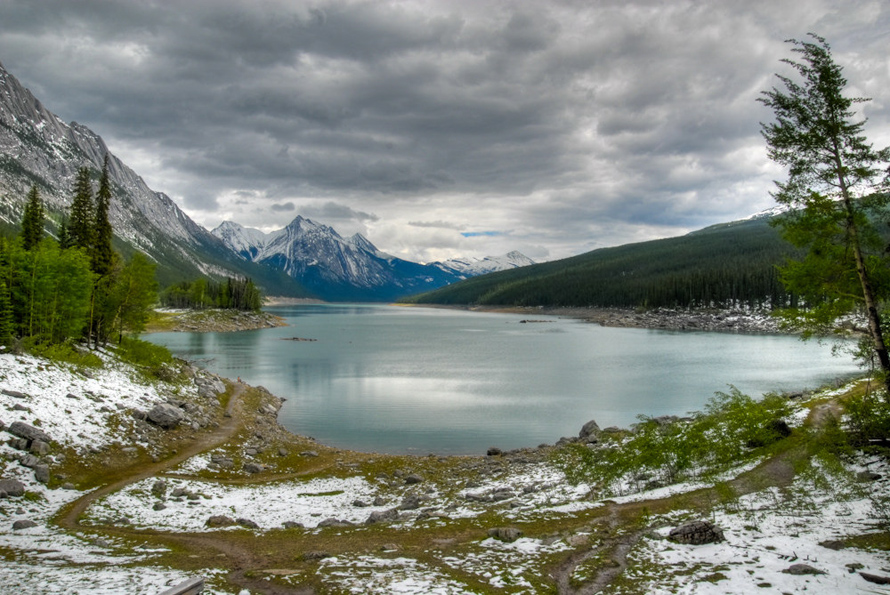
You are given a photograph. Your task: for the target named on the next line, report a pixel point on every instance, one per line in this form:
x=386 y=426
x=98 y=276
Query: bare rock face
x=696 y=533
x=165 y=415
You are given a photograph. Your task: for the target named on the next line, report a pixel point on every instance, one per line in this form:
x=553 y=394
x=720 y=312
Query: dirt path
x=70 y=515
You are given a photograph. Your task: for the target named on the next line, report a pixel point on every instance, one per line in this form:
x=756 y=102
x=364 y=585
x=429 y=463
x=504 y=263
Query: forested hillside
x=719 y=265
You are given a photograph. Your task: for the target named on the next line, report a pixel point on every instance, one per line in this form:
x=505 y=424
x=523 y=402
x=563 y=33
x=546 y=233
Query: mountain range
x=305 y=259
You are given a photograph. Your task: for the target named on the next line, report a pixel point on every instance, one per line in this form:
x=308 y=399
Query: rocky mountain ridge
x=338 y=268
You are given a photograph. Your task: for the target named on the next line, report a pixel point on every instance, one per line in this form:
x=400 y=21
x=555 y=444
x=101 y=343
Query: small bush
x=64 y=353
x=734 y=428
x=153 y=359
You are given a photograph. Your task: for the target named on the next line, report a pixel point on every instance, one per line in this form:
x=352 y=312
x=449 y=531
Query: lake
x=420 y=380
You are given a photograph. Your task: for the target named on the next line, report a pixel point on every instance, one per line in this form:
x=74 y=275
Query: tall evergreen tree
x=836 y=188
x=81 y=220
x=102 y=254
x=32 y=220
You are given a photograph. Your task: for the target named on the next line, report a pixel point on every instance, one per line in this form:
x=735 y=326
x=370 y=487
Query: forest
x=733 y=264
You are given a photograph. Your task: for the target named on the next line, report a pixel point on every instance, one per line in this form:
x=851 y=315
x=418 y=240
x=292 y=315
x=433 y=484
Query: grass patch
x=67 y=353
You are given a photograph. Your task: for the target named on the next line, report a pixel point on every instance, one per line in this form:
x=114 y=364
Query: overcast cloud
x=442 y=128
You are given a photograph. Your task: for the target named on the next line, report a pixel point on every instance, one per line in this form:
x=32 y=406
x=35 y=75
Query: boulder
x=28 y=432
x=13 y=487
x=590 y=432
x=253 y=468
x=39 y=448
x=41 y=473
x=802 y=569
x=380 y=516
x=23 y=524
x=14 y=394
x=220 y=520
x=247 y=523
x=696 y=533
x=413 y=478
x=165 y=415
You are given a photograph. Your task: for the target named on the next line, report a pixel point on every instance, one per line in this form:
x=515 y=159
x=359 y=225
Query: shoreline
x=711 y=320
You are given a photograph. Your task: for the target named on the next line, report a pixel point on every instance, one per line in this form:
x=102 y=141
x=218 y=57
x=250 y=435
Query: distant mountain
x=37 y=147
x=337 y=268
x=482 y=266
x=722 y=265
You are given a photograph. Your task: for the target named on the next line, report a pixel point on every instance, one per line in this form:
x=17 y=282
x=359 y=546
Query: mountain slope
x=723 y=264
x=338 y=268
x=37 y=147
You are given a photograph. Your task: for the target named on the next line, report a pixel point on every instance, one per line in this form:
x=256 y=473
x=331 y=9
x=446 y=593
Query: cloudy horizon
x=447 y=128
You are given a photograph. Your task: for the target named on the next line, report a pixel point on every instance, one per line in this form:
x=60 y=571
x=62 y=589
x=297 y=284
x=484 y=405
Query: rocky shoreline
x=716 y=320
x=213 y=321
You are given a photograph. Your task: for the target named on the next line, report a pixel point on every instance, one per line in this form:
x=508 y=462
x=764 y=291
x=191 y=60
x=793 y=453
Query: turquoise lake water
x=417 y=380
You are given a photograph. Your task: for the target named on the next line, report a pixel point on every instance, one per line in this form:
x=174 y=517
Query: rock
x=220 y=520
x=29 y=461
x=178 y=492
x=23 y=524
x=411 y=502
x=590 y=432
x=308 y=453
x=359 y=503
x=833 y=544
x=508 y=534
x=868 y=476
x=165 y=415
x=696 y=533
x=292 y=525
x=413 y=479
x=3 y=495
x=333 y=522
x=876 y=579
x=68 y=486
x=41 y=473
x=13 y=487
x=39 y=448
x=28 y=432
x=802 y=569
x=159 y=488
x=252 y=468
x=139 y=414
x=494 y=452
x=19 y=407
x=249 y=524
x=18 y=443
x=315 y=555
x=381 y=516
x=15 y=394
x=282 y=452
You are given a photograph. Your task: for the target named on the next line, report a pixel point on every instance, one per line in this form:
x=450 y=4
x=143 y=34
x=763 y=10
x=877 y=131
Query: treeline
x=234 y=294
x=76 y=286
x=727 y=265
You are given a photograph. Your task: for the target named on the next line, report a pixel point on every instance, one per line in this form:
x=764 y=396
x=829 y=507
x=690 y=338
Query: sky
x=443 y=128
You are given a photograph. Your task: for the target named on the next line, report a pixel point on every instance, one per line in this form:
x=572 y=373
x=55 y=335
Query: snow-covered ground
x=766 y=532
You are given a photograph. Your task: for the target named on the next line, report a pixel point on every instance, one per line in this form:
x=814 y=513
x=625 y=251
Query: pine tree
x=81 y=221
x=32 y=220
x=102 y=254
x=836 y=188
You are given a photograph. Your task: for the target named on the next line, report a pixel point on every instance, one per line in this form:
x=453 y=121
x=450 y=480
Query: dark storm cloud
x=560 y=121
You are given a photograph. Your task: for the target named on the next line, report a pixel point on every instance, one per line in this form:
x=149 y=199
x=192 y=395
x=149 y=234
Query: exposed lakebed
x=416 y=380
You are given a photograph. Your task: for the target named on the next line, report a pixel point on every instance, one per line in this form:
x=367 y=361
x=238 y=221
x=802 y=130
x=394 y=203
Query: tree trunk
x=868 y=294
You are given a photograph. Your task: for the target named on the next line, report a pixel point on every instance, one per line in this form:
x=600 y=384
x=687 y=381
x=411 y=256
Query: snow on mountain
x=340 y=268
x=473 y=267
x=38 y=148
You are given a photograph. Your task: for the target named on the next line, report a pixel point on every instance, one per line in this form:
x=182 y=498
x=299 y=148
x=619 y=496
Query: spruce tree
x=81 y=221
x=102 y=254
x=836 y=188
x=32 y=220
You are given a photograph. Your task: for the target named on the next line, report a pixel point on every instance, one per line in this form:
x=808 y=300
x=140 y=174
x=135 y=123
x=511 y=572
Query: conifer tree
x=837 y=186
x=32 y=220
x=81 y=221
x=102 y=254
